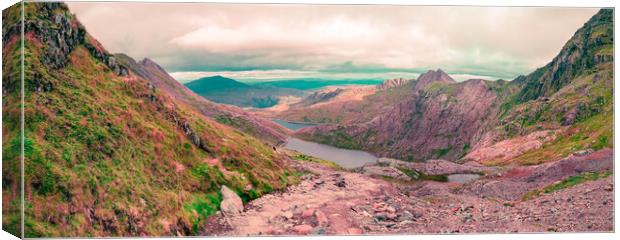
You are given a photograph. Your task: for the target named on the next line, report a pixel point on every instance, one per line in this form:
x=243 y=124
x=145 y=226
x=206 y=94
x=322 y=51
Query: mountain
x=263 y=129
x=571 y=99
x=215 y=84
x=229 y=91
x=109 y=152
x=390 y=83
x=316 y=83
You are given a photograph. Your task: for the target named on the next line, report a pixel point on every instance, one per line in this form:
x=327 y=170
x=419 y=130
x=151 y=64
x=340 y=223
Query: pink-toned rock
x=321 y=218
x=355 y=231
x=308 y=213
x=231 y=203
x=302 y=229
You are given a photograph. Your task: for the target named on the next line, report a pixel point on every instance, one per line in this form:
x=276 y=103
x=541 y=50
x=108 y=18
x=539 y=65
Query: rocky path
x=336 y=202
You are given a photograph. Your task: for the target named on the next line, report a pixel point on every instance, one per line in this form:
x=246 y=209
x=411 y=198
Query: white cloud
x=501 y=41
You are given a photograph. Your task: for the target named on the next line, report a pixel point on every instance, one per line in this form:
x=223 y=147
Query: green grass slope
x=106 y=153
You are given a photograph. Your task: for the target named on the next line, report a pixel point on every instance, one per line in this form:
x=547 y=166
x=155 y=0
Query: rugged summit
x=430 y=77
x=436 y=117
x=591 y=45
x=391 y=83
x=109 y=151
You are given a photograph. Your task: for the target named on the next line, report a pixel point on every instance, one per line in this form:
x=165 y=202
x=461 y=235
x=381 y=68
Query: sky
x=264 y=42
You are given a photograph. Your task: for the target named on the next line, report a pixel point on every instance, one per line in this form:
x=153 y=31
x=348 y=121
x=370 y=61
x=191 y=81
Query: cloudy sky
x=266 y=42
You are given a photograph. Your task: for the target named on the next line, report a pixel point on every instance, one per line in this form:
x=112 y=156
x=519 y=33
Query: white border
x=557 y=3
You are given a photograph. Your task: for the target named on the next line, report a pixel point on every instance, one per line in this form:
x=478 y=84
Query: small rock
x=321 y=218
x=582 y=153
x=308 y=213
x=391 y=216
x=319 y=231
x=288 y=214
x=302 y=229
x=381 y=216
x=406 y=216
x=609 y=187
x=340 y=183
x=231 y=203
x=355 y=231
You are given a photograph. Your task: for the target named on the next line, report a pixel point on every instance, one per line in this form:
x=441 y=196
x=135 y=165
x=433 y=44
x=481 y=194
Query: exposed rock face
x=62 y=35
x=510 y=148
x=437 y=76
x=391 y=83
x=388 y=171
x=231 y=203
x=437 y=166
x=592 y=44
x=439 y=119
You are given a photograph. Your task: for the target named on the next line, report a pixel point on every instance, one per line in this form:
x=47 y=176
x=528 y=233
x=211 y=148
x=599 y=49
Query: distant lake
x=293 y=126
x=344 y=157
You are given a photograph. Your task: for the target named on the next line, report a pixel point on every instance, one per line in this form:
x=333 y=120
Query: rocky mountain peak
x=433 y=76
x=147 y=62
x=590 y=46
x=390 y=83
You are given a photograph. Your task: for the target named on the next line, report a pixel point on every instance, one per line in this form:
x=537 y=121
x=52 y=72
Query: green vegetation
x=422 y=176
x=107 y=155
x=306 y=158
x=566 y=183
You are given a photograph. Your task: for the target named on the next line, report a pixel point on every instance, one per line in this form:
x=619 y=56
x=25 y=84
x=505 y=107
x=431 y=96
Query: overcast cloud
x=197 y=39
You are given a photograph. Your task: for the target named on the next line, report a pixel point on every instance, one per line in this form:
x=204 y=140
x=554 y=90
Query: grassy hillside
x=229 y=115
x=107 y=154
x=229 y=91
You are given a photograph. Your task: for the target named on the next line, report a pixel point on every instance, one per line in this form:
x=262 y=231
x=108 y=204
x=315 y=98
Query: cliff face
x=591 y=45
x=110 y=151
x=391 y=83
x=436 y=117
x=439 y=118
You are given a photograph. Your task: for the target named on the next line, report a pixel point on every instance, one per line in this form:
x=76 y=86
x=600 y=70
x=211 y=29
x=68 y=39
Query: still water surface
x=344 y=157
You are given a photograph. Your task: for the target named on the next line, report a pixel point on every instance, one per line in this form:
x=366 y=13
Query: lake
x=344 y=157
x=292 y=126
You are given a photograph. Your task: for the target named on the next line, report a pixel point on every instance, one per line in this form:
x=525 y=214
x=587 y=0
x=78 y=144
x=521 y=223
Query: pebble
x=302 y=229
x=355 y=231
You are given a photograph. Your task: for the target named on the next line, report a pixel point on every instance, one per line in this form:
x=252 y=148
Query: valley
x=117 y=147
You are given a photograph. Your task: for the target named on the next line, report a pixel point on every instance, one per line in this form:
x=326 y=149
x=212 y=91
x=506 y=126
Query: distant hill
x=229 y=91
x=214 y=84
x=316 y=83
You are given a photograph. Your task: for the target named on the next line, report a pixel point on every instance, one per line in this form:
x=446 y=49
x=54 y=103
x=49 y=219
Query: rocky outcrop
x=437 y=166
x=231 y=202
x=437 y=76
x=385 y=171
x=592 y=44
x=438 y=119
x=392 y=83
x=62 y=33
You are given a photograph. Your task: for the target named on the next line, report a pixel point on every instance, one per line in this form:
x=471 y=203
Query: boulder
x=302 y=229
x=231 y=203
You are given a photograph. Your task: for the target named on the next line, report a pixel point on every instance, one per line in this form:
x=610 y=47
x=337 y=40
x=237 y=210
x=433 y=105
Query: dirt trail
x=336 y=202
